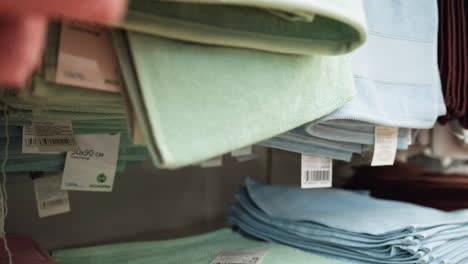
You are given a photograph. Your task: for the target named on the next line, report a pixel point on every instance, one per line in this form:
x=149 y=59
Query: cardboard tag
x=242 y=152
x=215 y=162
x=316 y=172
x=86 y=57
x=51 y=200
x=93 y=167
x=241 y=256
x=385 y=148
x=48 y=137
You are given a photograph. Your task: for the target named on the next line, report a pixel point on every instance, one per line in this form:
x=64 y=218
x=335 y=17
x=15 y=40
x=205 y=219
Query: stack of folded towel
x=91 y=111
x=397 y=82
x=203 y=78
x=200 y=249
x=350 y=225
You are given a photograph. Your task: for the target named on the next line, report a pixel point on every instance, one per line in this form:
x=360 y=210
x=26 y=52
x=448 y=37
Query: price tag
x=93 y=167
x=48 y=137
x=410 y=136
x=316 y=172
x=51 y=200
x=385 y=147
x=86 y=57
x=241 y=256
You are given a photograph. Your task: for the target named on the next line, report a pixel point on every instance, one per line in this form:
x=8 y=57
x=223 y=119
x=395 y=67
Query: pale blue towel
x=350 y=225
x=396 y=71
x=396 y=77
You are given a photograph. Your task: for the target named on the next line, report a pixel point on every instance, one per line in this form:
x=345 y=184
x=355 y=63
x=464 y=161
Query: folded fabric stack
x=204 y=78
x=91 y=111
x=350 y=225
x=410 y=183
x=199 y=249
x=17 y=161
x=397 y=83
x=453 y=59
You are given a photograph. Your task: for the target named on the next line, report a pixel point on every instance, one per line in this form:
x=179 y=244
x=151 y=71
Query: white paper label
x=216 y=162
x=410 y=136
x=86 y=57
x=93 y=167
x=51 y=200
x=465 y=136
x=385 y=148
x=48 y=137
x=242 y=152
x=316 y=172
x=241 y=256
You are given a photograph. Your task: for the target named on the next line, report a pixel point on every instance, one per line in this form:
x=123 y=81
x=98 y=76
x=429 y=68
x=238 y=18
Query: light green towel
x=196 y=102
x=326 y=27
x=200 y=249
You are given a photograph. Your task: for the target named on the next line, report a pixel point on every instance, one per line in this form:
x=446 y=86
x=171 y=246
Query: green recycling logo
x=101 y=178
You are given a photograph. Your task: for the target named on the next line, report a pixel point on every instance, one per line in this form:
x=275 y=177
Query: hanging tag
x=410 y=136
x=93 y=167
x=465 y=136
x=241 y=256
x=242 y=152
x=316 y=172
x=51 y=200
x=216 y=162
x=86 y=57
x=48 y=137
x=385 y=147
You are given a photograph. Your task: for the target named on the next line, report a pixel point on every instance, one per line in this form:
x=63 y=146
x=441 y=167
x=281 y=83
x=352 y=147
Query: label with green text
x=92 y=168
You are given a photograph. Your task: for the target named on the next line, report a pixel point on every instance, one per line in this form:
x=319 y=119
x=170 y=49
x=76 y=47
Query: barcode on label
x=49 y=141
x=317 y=176
x=316 y=172
x=53 y=203
x=75 y=75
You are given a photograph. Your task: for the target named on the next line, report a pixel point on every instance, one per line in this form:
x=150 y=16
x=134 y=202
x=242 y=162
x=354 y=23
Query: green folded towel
x=326 y=27
x=195 y=102
x=201 y=249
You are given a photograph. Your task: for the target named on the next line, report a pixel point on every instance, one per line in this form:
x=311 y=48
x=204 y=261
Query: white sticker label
x=385 y=148
x=316 y=172
x=216 y=162
x=48 y=137
x=93 y=167
x=241 y=256
x=242 y=152
x=51 y=200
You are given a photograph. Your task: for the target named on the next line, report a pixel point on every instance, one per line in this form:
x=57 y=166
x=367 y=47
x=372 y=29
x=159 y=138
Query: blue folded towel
x=396 y=77
x=349 y=225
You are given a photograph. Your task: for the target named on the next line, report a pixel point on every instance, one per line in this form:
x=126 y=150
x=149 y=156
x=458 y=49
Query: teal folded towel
x=327 y=27
x=195 y=102
x=201 y=249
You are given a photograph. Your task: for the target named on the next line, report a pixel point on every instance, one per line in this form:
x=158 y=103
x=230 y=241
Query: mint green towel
x=327 y=27
x=201 y=249
x=196 y=102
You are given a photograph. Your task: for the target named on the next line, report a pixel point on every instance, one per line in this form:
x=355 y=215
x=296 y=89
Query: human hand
x=23 y=28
